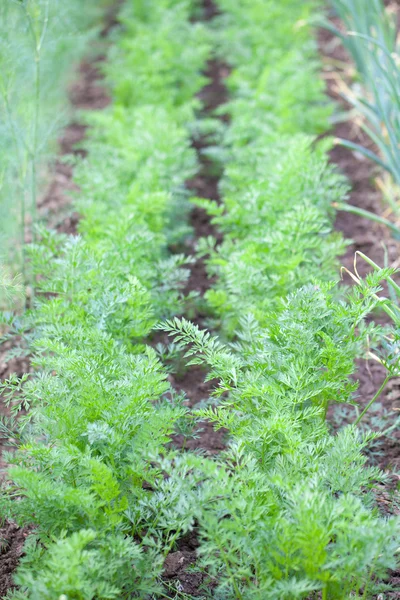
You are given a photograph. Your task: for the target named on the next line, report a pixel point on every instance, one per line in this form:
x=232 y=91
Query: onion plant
x=370 y=38
x=387 y=352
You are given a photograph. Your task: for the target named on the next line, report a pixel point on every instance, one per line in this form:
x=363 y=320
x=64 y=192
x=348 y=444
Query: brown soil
x=180 y=566
x=204 y=185
x=368 y=237
x=86 y=93
x=374 y=241
x=12 y=540
x=180 y=569
x=207 y=440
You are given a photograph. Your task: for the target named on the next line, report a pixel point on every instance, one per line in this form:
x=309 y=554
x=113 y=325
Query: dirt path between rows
x=375 y=241
x=178 y=567
x=204 y=185
x=371 y=239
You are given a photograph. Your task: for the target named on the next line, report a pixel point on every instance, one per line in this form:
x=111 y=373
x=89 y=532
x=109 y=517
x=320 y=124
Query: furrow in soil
x=365 y=236
x=204 y=185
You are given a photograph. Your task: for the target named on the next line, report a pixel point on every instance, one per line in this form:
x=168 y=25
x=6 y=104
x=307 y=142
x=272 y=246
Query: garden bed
x=187 y=351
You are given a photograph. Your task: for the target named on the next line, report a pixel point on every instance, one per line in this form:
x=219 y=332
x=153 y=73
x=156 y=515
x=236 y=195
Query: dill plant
x=39 y=41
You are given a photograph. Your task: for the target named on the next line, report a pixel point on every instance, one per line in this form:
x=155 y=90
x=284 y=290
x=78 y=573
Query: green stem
x=35 y=145
x=232 y=578
x=370 y=403
x=391 y=428
x=365 y=593
x=38 y=42
x=34 y=157
x=368 y=215
x=378 y=268
x=21 y=179
x=22 y=242
x=365 y=152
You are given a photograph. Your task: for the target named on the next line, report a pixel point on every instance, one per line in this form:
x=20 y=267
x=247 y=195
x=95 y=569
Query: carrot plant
x=88 y=469
x=295 y=517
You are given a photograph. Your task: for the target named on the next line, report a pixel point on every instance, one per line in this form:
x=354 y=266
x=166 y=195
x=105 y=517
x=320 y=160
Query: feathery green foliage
x=40 y=40
x=295 y=511
x=100 y=407
x=288 y=94
x=277 y=188
x=287 y=510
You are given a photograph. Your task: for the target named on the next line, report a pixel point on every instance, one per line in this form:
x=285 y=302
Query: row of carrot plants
x=301 y=517
x=100 y=407
x=287 y=510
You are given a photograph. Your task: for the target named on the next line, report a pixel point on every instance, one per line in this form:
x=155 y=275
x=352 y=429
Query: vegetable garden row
x=287 y=510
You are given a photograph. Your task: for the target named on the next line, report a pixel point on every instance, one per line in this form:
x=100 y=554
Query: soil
x=12 y=540
x=87 y=93
x=203 y=185
x=180 y=566
x=374 y=241
x=207 y=440
x=180 y=569
x=368 y=237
